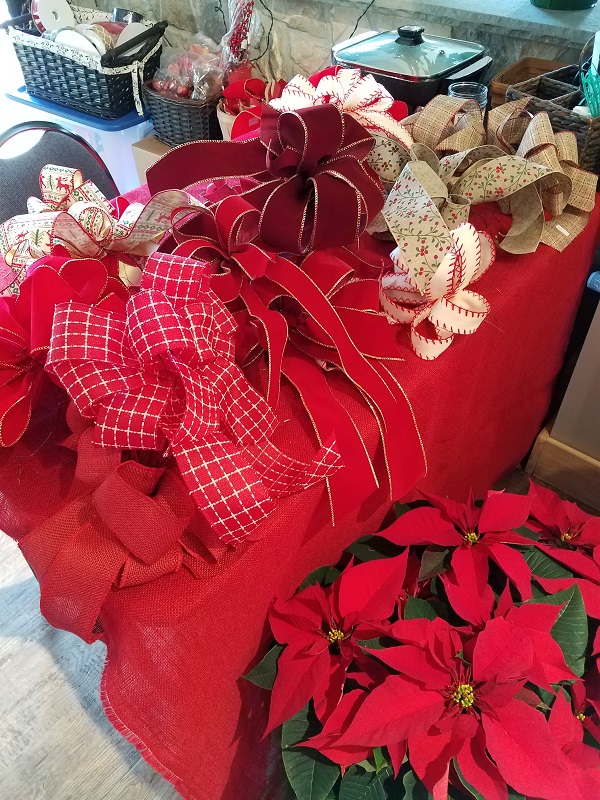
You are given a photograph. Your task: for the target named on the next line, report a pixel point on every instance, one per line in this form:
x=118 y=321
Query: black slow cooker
x=412 y=66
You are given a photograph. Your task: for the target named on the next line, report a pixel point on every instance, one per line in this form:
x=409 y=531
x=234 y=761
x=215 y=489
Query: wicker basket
x=557 y=94
x=106 y=87
x=178 y=120
x=518 y=72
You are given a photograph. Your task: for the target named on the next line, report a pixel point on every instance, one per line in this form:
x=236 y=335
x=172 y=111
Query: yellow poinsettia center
x=471 y=537
x=335 y=635
x=566 y=537
x=580 y=716
x=464 y=695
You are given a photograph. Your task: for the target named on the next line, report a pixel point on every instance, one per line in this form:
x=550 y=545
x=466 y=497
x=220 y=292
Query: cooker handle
x=410 y=35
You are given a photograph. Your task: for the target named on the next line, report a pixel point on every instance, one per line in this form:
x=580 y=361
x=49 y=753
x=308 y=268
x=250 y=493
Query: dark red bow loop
x=126 y=529
x=310 y=180
x=162 y=374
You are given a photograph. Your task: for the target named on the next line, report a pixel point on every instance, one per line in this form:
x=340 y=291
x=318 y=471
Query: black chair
x=19 y=176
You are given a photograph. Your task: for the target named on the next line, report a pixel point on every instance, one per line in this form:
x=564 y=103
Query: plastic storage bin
x=111 y=139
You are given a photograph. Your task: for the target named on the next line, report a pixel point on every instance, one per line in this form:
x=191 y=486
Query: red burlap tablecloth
x=177 y=647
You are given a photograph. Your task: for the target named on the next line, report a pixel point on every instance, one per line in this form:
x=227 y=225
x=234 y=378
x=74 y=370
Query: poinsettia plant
x=453 y=654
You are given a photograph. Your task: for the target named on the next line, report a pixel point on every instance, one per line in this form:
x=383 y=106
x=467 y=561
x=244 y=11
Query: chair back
x=19 y=175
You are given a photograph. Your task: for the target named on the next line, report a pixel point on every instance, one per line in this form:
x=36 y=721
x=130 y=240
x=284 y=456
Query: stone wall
x=303 y=31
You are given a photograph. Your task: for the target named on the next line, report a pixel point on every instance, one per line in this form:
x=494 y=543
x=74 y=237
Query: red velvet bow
x=309 y=177
x=26 y=326
x=132 y=524
x=326 y=310
x=161 y=372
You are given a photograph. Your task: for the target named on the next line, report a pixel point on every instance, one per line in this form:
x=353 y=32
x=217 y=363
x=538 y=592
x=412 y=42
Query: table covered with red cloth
x=178 y=646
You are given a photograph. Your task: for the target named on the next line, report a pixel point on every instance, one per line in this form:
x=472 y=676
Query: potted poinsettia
x=453 y=654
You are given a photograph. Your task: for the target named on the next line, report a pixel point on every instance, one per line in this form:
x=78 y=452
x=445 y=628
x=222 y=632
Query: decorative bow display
x=75 y=214
x=306 y=169
x=359 y=96
x=26 y=329
x=160 y=373
x=446 y=307
x=130 y=524
x=527 y=168
x=321 y=313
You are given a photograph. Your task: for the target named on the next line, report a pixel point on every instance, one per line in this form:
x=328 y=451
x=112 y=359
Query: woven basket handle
x=151 y=37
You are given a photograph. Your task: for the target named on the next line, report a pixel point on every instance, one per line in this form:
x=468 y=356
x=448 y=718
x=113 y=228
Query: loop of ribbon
x=75 y=214
x=306 y=169
x=26 y=330
x=528 y=169
x=130 y=525
x=160 y=373
x=321 y=314
x=447 y=306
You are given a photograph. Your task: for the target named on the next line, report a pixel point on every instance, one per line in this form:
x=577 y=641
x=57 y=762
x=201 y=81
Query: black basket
x=178 y=120
x=99 y=92
x=557 y=93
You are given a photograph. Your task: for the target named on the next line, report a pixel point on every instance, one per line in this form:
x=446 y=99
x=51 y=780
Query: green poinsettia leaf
x=380 y=760
x=470 y=789
x=543 y=566
x=401 y=508
x=372 y=644
x=528 y=533
x=432 y=563
x=415 y=608
x=413 y=788
x=365 y=786
x=571 y=628
x=265 y=672
x=311 y=775
x=323 y=575
x=364 y=551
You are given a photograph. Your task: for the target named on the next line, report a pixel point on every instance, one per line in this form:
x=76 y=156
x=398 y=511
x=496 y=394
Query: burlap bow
x=446 y=307
x=160 y=373
x=524 y=166
x=75 y=214
x=130 y=524
x=308 y=176
x=26 y=329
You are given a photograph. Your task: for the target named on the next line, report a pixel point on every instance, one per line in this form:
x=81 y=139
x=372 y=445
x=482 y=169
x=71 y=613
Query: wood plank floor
x=55 y=742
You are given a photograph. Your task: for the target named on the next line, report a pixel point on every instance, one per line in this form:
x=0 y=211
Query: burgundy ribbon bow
x=161 y=374
x=308 y=171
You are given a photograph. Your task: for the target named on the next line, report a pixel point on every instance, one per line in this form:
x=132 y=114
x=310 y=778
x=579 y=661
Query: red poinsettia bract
x=456 y=695
x=478 y=536
x=567 y=533
x=321 y=627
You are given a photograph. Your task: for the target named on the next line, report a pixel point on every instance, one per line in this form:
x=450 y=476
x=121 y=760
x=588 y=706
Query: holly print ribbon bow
x=160 y=375
x=447 y=306
x=75 y=214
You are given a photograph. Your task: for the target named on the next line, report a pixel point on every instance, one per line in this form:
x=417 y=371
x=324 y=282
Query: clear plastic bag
x=191 y=74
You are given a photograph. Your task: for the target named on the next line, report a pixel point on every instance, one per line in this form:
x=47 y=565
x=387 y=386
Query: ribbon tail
x=348 y=487
x=230 y=494
x=75 y=571
x=404 y=468
x=275 y=330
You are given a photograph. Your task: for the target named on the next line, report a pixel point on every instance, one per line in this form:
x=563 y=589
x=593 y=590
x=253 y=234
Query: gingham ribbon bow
x=160 y=373
x=446 y=307
x=75 y=214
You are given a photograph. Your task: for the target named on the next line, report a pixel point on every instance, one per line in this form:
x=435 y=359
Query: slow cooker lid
x=408 y=53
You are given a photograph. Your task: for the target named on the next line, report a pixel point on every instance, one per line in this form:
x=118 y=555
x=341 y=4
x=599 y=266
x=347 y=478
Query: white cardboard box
x=145 y=153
